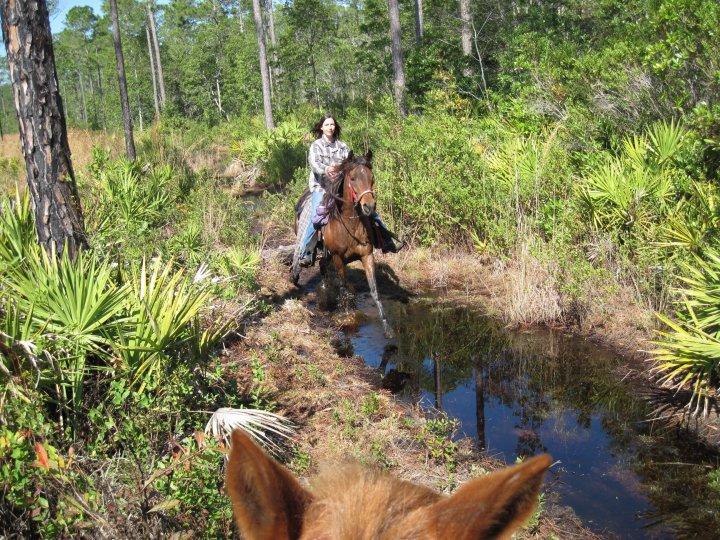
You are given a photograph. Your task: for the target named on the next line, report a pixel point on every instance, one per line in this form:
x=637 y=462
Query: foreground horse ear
x=369 y=155
x=492 y=506
x=268 y=503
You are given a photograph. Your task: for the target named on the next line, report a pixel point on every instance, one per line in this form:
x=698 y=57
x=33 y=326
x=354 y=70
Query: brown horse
x=355 y=503
x=347 y=236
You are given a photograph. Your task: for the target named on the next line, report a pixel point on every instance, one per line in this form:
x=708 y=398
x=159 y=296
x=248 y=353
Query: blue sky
x=57 y=20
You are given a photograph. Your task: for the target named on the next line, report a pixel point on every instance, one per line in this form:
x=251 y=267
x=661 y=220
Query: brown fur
x=356 y=503
x=347 y=235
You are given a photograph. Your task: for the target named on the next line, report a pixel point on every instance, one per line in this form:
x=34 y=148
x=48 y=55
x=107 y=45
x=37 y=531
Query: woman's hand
x=332 y=171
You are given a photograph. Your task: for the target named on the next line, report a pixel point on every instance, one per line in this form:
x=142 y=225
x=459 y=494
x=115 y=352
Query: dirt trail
x=297 y=360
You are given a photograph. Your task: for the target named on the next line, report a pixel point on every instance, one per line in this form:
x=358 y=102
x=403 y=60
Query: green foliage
x=162 y=304
x=629 y=193
x=370 y=405
x=436 y=435
x=191 y=489
x=135 y=197
x=17 y=231
x=278 y=152
x=688 y=357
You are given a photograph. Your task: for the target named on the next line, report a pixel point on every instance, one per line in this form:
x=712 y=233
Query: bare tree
x=466 y=32
x=152 y=26
x=273 y=42
x=41 y=121
x=264 y=71
x=153 y=71
x=397 y=57
x=124 y=102
x=465 y=29
x=271 y=22
x=419 y=25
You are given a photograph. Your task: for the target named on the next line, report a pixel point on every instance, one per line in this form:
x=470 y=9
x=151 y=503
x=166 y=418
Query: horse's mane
x=333 y=199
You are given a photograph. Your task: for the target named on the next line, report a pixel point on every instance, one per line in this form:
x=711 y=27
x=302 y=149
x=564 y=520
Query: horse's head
x=359 y=182
x=353 y=502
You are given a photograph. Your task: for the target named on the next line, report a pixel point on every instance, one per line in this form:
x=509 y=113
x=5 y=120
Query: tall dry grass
x=82 y=142
x=532 y=294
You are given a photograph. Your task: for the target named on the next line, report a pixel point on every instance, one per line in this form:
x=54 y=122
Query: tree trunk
x=419 y=28
x=124 y=102
x=156 y=49
x=271 y=22
x=465 y=29
x=264 y=71
x=83 y=105
x=2 y=133
x=41 y=121
x=273 y=43
x=138 y=101
x=101 y=108
x=151 y=52
x=438 y=384
x=315 y=81
x=480 y=407
x=397 y=57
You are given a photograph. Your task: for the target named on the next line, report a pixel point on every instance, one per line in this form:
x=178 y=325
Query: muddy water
x=522 y=393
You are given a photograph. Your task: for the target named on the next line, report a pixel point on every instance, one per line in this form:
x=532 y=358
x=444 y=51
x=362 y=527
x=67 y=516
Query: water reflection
x=521 y=393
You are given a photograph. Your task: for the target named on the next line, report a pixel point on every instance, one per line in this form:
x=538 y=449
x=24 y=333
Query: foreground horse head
x=355 y=503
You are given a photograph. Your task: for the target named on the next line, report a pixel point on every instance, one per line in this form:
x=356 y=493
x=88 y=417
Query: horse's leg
x=340 y=267
x=368 y=262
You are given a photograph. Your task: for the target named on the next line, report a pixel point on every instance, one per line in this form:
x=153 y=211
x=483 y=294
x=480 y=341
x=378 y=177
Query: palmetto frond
x=262 y=425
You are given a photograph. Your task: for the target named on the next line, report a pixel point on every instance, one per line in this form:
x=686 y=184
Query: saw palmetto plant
x=688 y=352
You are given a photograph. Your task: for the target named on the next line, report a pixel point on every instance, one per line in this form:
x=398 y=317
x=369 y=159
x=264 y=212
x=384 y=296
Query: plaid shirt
x=323 y=154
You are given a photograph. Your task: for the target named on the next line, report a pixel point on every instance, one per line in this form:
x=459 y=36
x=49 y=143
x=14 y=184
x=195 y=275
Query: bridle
x=358 y=198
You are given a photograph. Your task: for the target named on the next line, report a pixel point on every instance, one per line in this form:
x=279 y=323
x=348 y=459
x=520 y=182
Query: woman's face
x=328 y=128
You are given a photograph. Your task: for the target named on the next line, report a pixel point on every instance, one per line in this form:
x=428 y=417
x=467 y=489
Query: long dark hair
x=317 y=128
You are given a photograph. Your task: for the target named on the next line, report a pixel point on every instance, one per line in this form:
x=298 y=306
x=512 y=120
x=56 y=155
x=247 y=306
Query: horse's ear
x=350 y=156
x=267 y=501
x=369 y=155
x=492 y=506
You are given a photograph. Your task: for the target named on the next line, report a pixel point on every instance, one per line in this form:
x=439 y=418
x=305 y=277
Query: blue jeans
x=315 y=200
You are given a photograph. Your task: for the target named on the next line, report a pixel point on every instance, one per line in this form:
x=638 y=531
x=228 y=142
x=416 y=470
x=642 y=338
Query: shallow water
x=523 y=393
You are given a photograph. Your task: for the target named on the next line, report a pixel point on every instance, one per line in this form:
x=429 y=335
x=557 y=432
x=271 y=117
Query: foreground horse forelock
x=347 y=235
x=352 y=502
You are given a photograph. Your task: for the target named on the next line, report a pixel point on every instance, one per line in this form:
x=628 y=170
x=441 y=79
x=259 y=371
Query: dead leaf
x=42 y=458
x=170 y=504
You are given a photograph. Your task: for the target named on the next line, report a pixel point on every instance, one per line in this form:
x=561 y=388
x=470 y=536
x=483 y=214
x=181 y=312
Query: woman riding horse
x=326 y=153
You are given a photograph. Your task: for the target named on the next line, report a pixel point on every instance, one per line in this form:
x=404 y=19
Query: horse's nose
x=369 y=208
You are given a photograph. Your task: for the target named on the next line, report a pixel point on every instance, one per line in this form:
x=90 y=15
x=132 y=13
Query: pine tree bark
x=156 y=50
x=41 y=121
x=397 y=57
x=419 y=24
x=122 y=82
x=264 y=70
